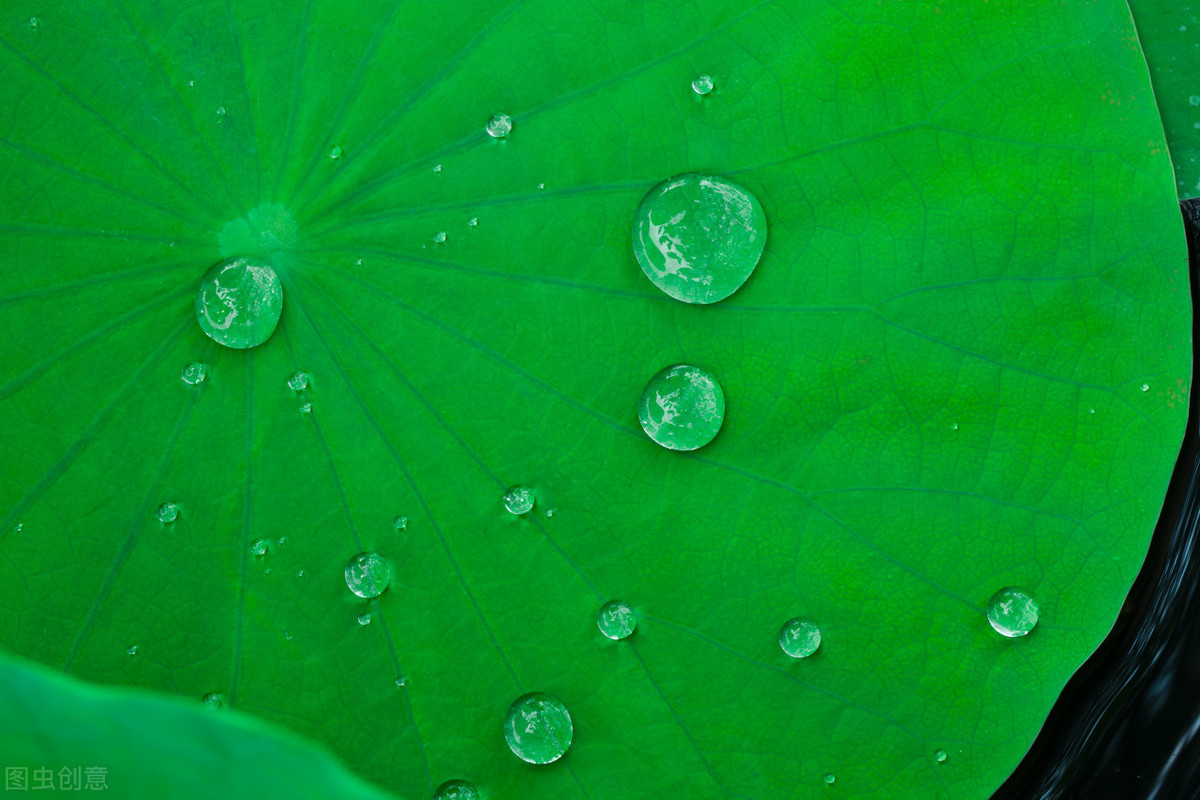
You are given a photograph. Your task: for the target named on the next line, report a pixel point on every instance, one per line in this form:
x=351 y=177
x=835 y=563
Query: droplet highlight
x=168 y=513
x=682 y=407
x=298 y=382
x=194 y=373
x=456 y=790
x=702 y=85
x=213 y=700
x=239 y=303
x=1013 y=612
x=368 y=574
x=538 y=728
x=698 y=237
x=616 y=620
x=940 y=756
x=519 y=500
x=499 y=126
x=799 y=638
x=335 y=152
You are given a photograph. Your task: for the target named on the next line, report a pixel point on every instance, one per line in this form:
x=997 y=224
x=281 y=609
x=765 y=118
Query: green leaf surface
x=61 y=734
x=961 y=364
x=1170 y=34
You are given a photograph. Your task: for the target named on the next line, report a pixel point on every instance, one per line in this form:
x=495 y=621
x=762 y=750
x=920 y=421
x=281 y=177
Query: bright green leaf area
x=961 y=364
x=1170 y=33
x=134 y=744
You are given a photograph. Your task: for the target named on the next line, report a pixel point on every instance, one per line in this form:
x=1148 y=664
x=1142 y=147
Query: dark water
x=1127 y=726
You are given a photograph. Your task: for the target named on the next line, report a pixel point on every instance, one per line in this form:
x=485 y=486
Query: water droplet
x=456 y=790
x=538 y=728
x=194 y=373
x=698 y=237
x=940 y=755
x=499 y=126
x=682 y=407
x=336 y=152
x=616 y=620
x=1012 y=612
x=368 y=574
x=298 y=382
x=1194 y=99
x=830 y=777
x=191 y=84
x=702 y=85
x=550 y=512
x=473 y=222
x=437 y=167
x=34 y=22
x=306 y=408
x=239 y=303
x=20 y=526
x=213 y=700
x=259 y=547
x=1145 y=387
x=282 y=541
x=439 y=237
x=300 y=574
x=400 y=523
x=519 y=500
x=799 y=638
x=541 y=186
x=364 y=619
x=168 y=513
x=1091 y=411
x=287 y=635
x=953 y=426
x=401 y=681
x=220 y=114
x=132 y=649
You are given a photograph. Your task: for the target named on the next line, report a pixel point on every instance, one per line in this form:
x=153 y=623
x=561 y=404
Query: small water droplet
x=541 y=186
x=170 y=244
x=702 y=85
x=550 y=512
x=34 y=22
x=300 y=573
x=168 y=513
x=799 y=638
x=335 y=152
x=439 y=237
x=401 y=681
x=1194 y=99
x=267 y=571
x=940 y=755
x=682 y=407
x=519 y=500
x=194 y=373
x=1091 y=411
x=306 y=408
x=1012 y=612
x=499 y=126
x=132 y=649
x=473 y=222
x=616 y=620
x=282 y=541
x=1145 y=387
x=239 y=303
x=400 y=523
x=456 y=790
x=437 y=167
x=191 y=84
x=213 y=700
x=259 y=547
x=298 y=382
x=830 y=778
x=367 y=574
x=20 y=526
x=538 y=728
x=953 y=426
x=698 y=237
x=287 y=635
x=220 y=114
x=364 y=619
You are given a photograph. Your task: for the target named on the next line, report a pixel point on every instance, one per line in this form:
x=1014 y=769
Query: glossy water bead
x=538 y=728
x=682 y=407
x=239 y=303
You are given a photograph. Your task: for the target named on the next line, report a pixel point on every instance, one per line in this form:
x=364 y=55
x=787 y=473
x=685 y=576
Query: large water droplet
x=194 y=373
x=519 y=500
x=168 y=513
x=698 y=237
x=213 y=700
x=368 y=574
x=799 y=638
x=298 y=382
x=538 y=728
x=499 y=126
x=682 y=407
x=239 y=303
x=616 y=620
x=702 y=85
x=1012 y=612
x=456 y=790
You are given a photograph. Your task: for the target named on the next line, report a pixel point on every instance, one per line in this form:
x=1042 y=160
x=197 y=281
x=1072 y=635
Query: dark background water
x=1127 y=726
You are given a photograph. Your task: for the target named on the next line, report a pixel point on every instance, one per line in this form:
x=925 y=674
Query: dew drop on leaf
x=702 y=85
x=220 y=114
x=364 y=619
x=194 y=373
x=213 y=700
x=401 y=681
x=367 y=575
x=439 y=237
x=830 y=777
x=259 y=547
x=298 y=382
x=287 y=635
x=519 y=500
x=34 y=22
x=538 y=728
x=456 y=790
x=1145 y=387
x=306 y=408
x=616 y=620
x=335 y=152
x=400 y=523
x=698 y=237
x=239 y=303
x=1012 y=612
x=473 y=222
x=168 y=513
x=682 y=407
x=940 y=756
x=799 y=638
x=499 y=126
x=132 y=649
